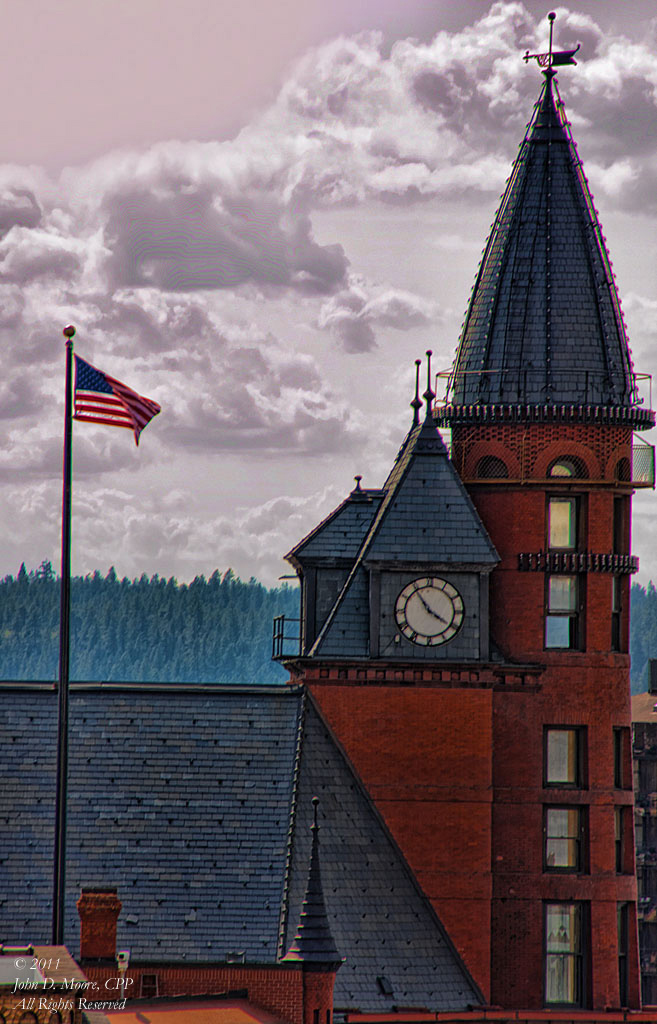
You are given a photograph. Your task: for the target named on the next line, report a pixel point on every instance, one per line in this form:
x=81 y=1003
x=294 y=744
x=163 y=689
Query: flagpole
x=59 y=869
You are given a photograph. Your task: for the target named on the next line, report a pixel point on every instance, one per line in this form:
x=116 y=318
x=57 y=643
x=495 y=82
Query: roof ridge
x=396 y=475
x=284 y=913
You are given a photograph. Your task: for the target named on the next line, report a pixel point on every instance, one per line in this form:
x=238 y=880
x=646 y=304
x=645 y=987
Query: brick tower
x=465 y=627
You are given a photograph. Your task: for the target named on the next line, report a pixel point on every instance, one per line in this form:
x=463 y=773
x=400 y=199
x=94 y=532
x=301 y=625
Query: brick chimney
x=99 y=910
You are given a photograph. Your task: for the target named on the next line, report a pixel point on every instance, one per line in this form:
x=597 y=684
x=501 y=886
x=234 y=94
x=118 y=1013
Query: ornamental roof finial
x=429 y=394
x=552 y=58
x=416 y=404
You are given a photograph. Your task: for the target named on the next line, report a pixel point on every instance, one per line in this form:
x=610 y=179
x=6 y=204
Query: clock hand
x=430 y=609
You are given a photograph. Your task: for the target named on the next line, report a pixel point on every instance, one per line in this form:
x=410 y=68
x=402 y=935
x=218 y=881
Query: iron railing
x=286 y=638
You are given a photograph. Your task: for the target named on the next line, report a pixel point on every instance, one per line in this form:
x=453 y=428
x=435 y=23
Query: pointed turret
x=313 y=944
x=545 y=293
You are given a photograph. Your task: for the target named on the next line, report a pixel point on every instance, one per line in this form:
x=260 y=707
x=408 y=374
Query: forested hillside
x=157 y=630
x=149 y=629
x=643 y=633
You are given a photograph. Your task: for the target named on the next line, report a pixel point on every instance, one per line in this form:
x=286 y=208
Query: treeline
x=156 y=630
x=148 y=629
x=643 y=633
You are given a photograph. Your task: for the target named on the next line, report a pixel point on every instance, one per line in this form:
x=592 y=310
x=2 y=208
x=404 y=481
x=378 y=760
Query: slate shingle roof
x=545 y=287
x=184 y=799
x=340 y=535
x=175 y=799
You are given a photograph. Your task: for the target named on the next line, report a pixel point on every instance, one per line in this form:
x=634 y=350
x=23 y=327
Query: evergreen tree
x=147 y=630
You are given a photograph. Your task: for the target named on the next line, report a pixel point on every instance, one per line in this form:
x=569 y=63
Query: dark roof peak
x=313 y=944
x=545 y=287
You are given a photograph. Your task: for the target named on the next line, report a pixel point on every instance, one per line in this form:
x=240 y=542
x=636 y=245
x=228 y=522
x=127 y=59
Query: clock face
x=429 y=611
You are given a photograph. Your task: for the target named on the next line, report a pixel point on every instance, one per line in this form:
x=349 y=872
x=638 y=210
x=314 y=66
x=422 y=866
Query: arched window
x=491 y=468
x=623 y=469
x=55 y=1017
x=28 y=1018
x=568 y=466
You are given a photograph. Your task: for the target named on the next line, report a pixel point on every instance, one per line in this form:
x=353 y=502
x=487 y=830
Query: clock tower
x=465 y=627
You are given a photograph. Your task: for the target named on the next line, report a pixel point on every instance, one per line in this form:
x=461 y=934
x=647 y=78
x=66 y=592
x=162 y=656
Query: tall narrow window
x=562 y=616
x=623 y=932
x=621 y=833
x=622 y=758
x=564 y=839
x=616 y=591
x=564 y=953
x=621 y=526
x=562 y=524
x=564 y=756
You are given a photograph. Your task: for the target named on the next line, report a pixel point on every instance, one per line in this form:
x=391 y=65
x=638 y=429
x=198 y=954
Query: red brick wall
x=276 y=988
x=318 y=995
x=424 y=756
x=586 y=688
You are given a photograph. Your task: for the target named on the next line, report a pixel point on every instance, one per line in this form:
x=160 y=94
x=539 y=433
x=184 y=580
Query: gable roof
x=545 y=287
x=426 y=515
x=194 y=803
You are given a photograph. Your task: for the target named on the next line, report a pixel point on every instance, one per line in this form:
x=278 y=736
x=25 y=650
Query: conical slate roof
x=313 y=943
x=544 y=325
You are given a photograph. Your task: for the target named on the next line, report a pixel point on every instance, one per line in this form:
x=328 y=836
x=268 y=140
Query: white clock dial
x=429 y=611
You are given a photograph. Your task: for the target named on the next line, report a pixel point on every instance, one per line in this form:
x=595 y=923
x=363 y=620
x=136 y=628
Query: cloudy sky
x=259 y=215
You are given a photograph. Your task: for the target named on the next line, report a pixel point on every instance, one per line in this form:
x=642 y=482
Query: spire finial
x=313 y=944
x=429 y=395
x=416 y=404
x=552 y=57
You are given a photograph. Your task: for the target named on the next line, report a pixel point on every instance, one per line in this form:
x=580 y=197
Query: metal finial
x=548 y=60
x=356 y=488
x=315 y=803
x=69 y=332
x=416 y=404
x=429 y=395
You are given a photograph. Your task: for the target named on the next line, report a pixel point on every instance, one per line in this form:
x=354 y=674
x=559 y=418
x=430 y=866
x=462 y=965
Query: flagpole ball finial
x=551 y=16
x=69 y=332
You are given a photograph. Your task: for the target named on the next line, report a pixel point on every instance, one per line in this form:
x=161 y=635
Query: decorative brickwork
x=274 y=987
x=529 y=449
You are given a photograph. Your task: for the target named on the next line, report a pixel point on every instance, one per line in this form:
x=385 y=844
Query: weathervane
x=553 y=57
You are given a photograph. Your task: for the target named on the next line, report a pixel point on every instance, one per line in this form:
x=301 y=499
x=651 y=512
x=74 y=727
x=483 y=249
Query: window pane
x=563 y=948
x=561 y=523
x=562 y=831
x=562 y=822
x=558 y=631
x=562 y=853
x=563 y=468
x=561 y=759
x=561 y=980
x=562 y=593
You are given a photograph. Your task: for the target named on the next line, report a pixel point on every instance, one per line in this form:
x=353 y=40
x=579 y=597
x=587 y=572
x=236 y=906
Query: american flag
x=100 y=398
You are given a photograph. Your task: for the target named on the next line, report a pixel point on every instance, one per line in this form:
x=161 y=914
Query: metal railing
x=643 y=463
x=286 y=638
x=513 y=385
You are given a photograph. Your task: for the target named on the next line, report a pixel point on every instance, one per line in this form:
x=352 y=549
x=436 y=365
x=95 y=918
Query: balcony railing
x=286 y=638
x=643 y=463
x=522 y=385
